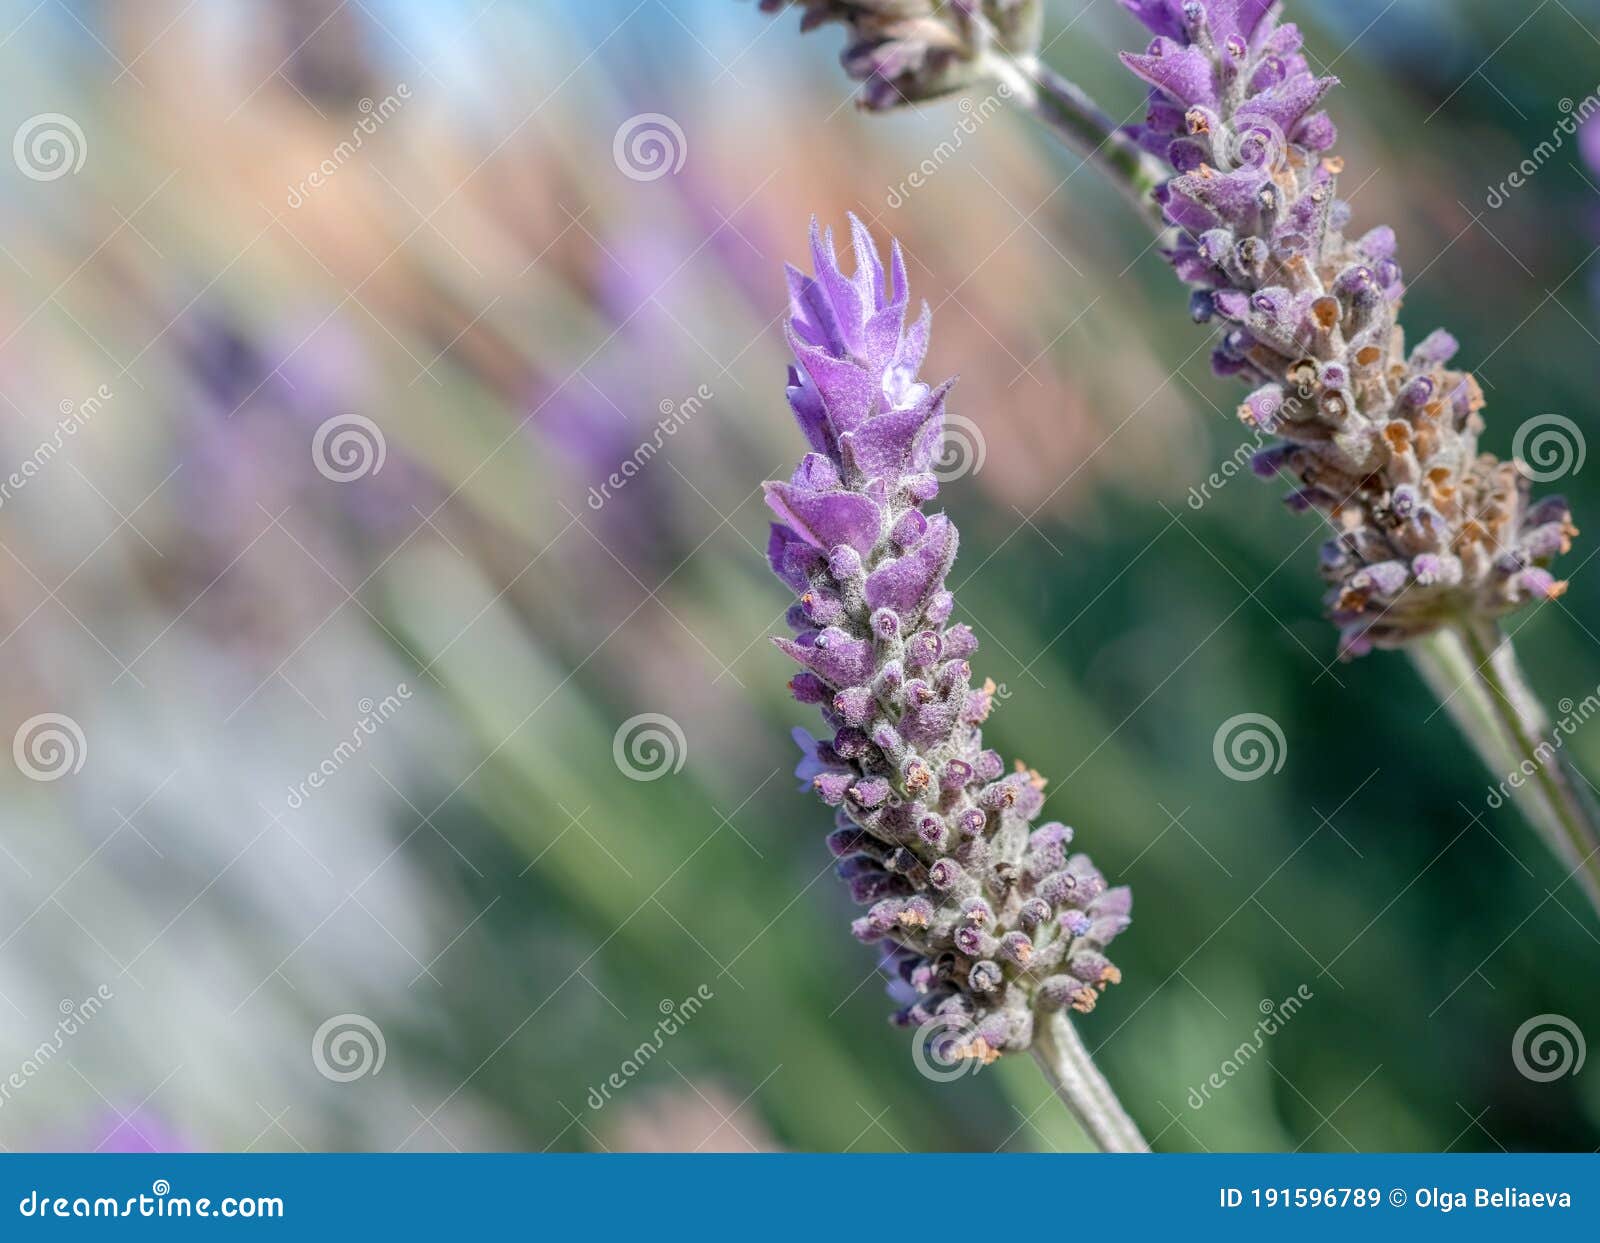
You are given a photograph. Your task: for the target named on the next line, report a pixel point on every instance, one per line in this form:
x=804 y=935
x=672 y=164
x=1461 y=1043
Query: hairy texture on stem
x=982 y=918
x=1381 y=440
x=905 y=51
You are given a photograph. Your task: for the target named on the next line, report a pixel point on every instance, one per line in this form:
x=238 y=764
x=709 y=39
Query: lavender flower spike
x=1429 y=532
x=982 y=920
x=904 y=51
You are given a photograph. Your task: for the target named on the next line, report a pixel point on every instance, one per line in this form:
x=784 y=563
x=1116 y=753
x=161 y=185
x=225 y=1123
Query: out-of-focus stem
x=1078 y=1082
x=1473 y=669
x=1085 y=128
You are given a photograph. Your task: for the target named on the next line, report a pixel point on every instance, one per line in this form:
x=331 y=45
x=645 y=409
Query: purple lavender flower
x=980 y=918
x=1382 y=441
x=903 y=51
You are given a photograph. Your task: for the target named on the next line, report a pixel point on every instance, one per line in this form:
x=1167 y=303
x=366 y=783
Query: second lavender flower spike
x=989 y=928
x=1382 y=440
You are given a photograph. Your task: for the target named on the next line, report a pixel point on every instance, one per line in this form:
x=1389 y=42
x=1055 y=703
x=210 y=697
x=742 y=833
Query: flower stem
x=1079 y=122
x=1078 y=1082
x=1474 y=671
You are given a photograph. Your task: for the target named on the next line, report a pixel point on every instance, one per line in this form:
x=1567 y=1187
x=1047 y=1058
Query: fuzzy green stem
x=1078 y=121
x=1473 y=669
x=1078 y=1082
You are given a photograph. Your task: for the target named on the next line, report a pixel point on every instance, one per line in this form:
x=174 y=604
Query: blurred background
x=386 y=775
